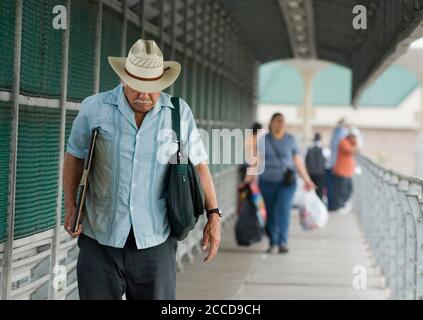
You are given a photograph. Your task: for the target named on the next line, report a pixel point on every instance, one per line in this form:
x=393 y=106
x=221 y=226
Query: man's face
x=141 y=101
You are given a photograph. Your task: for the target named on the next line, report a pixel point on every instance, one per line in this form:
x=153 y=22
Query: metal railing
x=390 y=208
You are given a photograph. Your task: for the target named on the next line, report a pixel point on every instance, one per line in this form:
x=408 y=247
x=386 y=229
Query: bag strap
x=176 y=125
x=275 y=150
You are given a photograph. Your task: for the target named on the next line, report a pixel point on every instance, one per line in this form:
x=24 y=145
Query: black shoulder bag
x=185 y=200
x=289 y=175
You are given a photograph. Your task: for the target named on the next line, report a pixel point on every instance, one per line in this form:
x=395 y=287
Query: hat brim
x=169 y=76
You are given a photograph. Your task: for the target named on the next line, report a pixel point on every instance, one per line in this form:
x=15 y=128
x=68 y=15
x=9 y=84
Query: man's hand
x=70 y=217
x=72 y=172
x=211 y=236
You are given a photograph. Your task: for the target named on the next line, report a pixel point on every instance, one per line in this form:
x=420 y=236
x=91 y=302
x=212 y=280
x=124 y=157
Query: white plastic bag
x=313 y=213
x=298 y=201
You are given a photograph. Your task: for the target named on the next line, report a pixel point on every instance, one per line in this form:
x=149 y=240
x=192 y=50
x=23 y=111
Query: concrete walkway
x=319 y=266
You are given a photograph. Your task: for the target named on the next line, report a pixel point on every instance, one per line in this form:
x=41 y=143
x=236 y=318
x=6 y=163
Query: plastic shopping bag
x=313 y=213
x=298 y=200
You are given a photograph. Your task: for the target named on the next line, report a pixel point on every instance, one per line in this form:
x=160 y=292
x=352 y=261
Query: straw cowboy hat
x=144 y=69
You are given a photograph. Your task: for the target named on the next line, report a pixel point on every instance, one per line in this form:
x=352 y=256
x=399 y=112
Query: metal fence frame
x=390 y=208
x=27 y=258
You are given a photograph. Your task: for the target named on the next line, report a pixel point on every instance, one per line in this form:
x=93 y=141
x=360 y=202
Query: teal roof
x=280 y=83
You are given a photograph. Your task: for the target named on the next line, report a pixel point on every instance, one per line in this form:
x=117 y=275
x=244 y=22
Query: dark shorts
x=106 y=273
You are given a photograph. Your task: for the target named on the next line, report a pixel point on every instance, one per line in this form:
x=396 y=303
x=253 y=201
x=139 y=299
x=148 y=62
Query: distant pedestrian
x=339 y=133
x=343 y=172
x=281 y=159
x=250 y=153
x=315 y=163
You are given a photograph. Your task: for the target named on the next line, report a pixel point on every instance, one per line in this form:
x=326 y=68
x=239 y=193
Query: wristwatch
x=214 y=210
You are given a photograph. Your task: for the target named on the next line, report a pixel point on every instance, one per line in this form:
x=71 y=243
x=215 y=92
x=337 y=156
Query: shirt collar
x=164 y=101
x=112 y=96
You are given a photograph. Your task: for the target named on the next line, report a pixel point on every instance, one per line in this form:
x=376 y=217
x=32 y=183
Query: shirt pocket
x=160 y=216
x=101 y=214
x=102 y=171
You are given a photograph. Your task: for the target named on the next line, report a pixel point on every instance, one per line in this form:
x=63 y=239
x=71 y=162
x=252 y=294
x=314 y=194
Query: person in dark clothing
x=250 y=146
x=315 y=164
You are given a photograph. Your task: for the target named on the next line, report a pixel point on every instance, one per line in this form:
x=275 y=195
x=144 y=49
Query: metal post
x=255 y=90
x=393 y=208
x=239 y=55
x=414 y=194
x=162 y=17
x=203 y=60
x=52 y=294
x=98 y=46
x=419 y=253
x=224 y=93
x=307 y=107
x=185 y=59
x=172 y=41
x=212 y=55
x=124 y=28
x=419 y=145
x=141 y=17
x=8 y=252
x=194 y=86
x=219 y=62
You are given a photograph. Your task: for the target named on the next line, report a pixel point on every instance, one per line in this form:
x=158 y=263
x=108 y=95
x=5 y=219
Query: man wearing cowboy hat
x=125 y=242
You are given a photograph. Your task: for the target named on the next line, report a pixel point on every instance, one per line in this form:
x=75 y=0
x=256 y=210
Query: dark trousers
x=106 y=273
x=342 y=191
x=329 y=187
x=319 y=181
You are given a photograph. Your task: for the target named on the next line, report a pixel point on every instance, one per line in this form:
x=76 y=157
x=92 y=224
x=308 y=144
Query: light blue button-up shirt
x=128 y=182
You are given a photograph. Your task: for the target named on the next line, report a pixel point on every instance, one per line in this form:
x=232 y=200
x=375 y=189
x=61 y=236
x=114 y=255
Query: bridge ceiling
x=319 y=29
x=280 y=29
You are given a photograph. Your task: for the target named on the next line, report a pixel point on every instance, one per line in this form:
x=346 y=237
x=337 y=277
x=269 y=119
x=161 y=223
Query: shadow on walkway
x=319 y=266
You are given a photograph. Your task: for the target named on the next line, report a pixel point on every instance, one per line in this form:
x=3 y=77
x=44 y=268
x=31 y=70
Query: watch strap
x=214 y=210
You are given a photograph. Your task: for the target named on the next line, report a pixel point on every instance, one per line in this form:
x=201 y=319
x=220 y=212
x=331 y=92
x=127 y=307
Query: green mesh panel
x=110 y=46
x=166 y=56
x=132 y=36
x=5 y=130
x=205 y=93
x=216 y=96
x=37 y=164
x=70 y=116
x=41 y=49
x=7 y=29
x=189 y=75
x=178 y=83
x=82 y=49
x=198 y=86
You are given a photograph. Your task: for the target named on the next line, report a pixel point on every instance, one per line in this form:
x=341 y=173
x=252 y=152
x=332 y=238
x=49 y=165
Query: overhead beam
x=299 y=19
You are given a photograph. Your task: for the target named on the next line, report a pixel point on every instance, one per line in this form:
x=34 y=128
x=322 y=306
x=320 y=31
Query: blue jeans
x=342 y=191
x=278 y=200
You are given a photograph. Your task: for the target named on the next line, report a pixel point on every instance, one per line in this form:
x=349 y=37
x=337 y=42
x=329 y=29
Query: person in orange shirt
x=343 y=171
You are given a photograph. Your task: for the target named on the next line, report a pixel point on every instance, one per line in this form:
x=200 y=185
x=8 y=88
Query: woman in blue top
x=281 y=159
